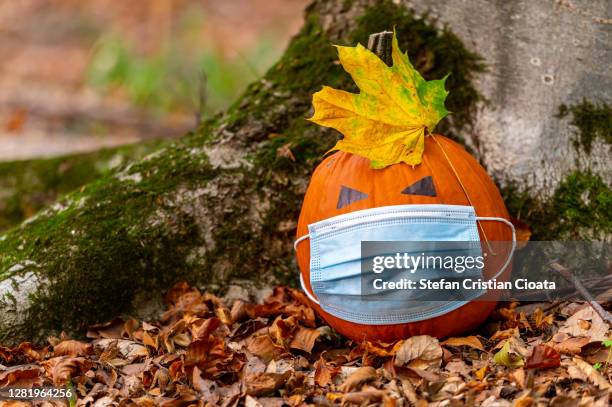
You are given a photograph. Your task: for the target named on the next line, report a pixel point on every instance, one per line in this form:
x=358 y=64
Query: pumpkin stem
x=381 y=44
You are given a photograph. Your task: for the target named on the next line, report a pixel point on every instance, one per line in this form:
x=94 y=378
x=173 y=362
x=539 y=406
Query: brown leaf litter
x=204 y=352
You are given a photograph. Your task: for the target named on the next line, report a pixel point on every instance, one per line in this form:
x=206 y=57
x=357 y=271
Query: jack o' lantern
x=428 y=170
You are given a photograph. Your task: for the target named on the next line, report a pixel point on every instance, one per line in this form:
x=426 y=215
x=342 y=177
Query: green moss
x=28 y=186
x=593 y=120
x=106 y=228
x=580 y=207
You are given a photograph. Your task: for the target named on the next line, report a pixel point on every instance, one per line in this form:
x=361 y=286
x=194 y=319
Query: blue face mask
x=336 y=263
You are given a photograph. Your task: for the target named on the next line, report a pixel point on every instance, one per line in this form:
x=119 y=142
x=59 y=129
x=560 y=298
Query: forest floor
x=206 y=351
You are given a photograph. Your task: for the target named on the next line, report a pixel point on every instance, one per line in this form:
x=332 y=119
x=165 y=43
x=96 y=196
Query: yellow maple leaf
x=386 y=121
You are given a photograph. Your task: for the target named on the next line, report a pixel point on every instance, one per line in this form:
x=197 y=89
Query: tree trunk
x=540 y=55
x=219 y=206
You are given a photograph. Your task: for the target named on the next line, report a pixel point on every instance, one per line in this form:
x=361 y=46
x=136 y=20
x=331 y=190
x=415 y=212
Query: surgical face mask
x=336 y=263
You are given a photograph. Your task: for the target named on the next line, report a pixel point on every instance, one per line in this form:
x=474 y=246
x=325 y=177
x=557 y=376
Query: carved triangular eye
x=424 y=186
x=348 y=196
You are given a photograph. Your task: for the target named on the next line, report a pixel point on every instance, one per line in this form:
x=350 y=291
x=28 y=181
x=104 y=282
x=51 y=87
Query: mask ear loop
x=484 y=235
x=512 y=249
x=310 y=296
x=300 y=240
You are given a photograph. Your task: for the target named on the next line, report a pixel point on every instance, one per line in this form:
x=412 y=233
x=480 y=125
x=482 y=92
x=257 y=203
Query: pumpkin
x=345 y=182
x=389 y=156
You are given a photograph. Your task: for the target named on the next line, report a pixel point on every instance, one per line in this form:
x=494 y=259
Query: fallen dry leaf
x=518 y=377
x=423 y=349
x=238 y=312
x=262 y=346
x=360 y=376
x=381 y=349
x=523 y=232
x=304 y=339
x=260 y=384
x=543 y=357
x=114 y=329
x=509 y=355
x=424 y=374
x=591 y=374
x=61 y=368
x=599 y=355
x=324 y=372
x=224 y=315
x=280 y=366
x=571 y=346
x=127 y=349
x=204 y=387
x=24 y=353
x=151 y=340
x=202 y=328
x=482 y=372
x=542 y=320
x=471 y=341
x=281 y=330
x=21 y=376
x=524 y=401
x=586 y=323
x=458 y=367
x=72 y=348
x=505 y=334
x=365 y=397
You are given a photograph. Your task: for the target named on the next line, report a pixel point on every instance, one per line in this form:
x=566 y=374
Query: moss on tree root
x=581 y=205
x=593 y=121
x=579 y=208
x=29 y=185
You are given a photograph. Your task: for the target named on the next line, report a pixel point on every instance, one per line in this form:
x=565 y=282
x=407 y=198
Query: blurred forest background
x=76 y=76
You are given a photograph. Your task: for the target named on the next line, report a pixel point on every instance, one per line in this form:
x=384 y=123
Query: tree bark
x=27 y=186
x=218 y=207
x=540 y=55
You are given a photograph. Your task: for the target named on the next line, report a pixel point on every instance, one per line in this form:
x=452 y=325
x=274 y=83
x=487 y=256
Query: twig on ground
x=596 y=286
x=567 y=274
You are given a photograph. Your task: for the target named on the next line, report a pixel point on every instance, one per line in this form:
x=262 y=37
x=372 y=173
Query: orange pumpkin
x=344 y=182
